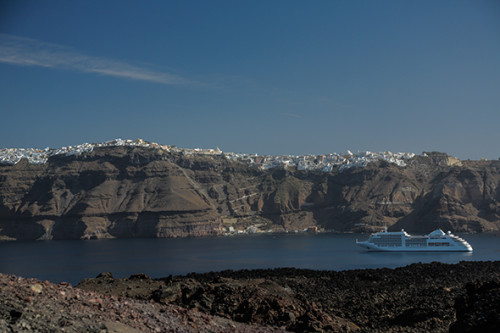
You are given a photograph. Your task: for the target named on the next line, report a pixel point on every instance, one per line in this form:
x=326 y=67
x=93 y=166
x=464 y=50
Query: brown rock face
x=465 y=198
x=118 y=192
x=147 y=192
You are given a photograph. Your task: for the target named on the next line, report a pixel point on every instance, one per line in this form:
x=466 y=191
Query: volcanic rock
x=417 y=298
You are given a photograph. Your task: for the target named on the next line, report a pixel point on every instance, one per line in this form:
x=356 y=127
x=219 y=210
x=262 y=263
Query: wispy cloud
x=31 y=52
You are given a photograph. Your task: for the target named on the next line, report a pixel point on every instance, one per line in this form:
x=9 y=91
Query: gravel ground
x=30 y=305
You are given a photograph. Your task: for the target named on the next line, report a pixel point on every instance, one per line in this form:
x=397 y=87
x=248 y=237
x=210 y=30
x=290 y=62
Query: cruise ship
x=436 y=241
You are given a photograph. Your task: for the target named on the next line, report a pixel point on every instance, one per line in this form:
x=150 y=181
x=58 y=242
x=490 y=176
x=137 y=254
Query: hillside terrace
x=325 y=163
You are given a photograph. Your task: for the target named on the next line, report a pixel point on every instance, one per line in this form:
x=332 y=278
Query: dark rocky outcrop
x=127 y=191
x=432 y=297
x=478 y=310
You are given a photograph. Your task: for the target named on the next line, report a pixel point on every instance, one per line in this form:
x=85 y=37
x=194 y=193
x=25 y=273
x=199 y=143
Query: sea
x=73 y=260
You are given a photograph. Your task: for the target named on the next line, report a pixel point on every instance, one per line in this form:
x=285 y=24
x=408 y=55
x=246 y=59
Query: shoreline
x=237 y=234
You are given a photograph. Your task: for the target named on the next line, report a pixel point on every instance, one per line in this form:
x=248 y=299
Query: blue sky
x=269 y=77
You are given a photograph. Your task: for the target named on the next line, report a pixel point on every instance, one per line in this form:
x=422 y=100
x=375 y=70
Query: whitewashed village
x=325 y=163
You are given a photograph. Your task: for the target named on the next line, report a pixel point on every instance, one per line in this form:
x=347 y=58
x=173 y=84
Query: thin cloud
x=31 y=52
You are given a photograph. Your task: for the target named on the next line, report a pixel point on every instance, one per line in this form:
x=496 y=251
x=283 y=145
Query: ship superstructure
x=436 y=241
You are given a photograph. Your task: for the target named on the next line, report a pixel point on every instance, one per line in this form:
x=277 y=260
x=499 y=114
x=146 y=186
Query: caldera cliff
x=133 y=191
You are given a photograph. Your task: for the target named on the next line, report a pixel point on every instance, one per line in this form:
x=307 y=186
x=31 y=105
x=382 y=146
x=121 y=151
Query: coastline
x=246 y=233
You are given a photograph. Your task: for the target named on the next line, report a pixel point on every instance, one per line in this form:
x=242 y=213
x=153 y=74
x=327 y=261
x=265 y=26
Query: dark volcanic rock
x=416 y=298
x=148 y=192
x=479 y=309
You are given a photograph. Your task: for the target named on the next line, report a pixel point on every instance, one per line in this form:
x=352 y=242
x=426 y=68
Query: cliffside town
x=325 y=163
x=125 y=188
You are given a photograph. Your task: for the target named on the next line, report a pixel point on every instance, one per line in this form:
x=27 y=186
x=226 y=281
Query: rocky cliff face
x=147 y=192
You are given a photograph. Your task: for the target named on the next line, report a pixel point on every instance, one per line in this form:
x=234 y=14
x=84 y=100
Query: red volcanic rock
x=29 y=305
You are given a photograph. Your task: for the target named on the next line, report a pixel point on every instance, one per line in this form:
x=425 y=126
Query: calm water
x=72 y=261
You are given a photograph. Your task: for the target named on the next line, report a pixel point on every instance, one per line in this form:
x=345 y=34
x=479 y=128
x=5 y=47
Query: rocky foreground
x=434 y=297
x=30 y=305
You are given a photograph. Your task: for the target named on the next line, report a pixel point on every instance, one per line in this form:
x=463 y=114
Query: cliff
x=127 y=191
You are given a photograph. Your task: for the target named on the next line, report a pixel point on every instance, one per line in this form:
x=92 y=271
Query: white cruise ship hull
x=371 y=247
x=400 y=241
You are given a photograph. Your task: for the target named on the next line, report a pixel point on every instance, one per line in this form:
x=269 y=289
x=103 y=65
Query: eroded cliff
x=147 y=192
